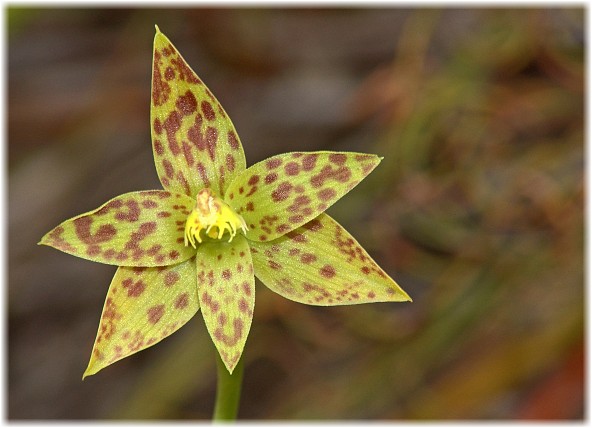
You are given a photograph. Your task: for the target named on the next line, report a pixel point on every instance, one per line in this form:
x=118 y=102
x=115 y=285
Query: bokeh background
x=476 y=210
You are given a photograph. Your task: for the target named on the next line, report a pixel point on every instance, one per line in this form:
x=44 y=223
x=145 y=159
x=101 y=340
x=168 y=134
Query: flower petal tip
x=86 y=374
x=157 y=29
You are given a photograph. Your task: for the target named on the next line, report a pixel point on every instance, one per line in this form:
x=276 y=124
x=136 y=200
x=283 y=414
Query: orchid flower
x=200 y=242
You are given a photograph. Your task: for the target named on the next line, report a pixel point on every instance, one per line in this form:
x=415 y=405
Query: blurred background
x=476 y=210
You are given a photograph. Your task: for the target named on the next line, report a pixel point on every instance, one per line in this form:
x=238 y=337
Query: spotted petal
x=321 y=264
x=285 y=191
x=226 y=289
x=194 y=141
x=143 y=306
x=135 y=229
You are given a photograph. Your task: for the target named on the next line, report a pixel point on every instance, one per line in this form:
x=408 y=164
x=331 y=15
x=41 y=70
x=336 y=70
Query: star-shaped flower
x=200 y=242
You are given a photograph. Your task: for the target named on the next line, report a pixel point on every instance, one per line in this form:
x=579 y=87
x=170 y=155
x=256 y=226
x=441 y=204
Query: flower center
x=213 y=215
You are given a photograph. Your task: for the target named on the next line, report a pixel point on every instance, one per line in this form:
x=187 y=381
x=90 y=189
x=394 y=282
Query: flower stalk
x=228 y=390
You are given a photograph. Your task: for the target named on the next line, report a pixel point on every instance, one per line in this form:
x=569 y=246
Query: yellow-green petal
x=143 y=306
x=321 y=264
x=134 y=229
x=286 y=191
x=226 y=290
x=194 y=141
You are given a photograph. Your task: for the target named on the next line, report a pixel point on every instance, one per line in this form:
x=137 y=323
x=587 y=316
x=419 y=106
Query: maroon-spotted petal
x=194 y=141
x=285 y=191
x=226 y=290
x=135 y=229
x=143 y=306
x=320 y=263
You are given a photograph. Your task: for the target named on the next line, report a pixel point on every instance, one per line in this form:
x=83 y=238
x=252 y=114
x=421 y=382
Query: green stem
x=228 y=391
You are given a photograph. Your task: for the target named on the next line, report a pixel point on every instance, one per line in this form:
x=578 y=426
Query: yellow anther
x=213 y=215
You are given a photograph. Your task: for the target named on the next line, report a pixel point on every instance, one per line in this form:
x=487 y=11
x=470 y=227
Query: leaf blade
x=286 y=191
x=194 y=142
x=321 y=264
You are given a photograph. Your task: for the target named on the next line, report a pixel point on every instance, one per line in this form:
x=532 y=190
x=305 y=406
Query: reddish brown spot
x=282 y=228
x=160 y=89
x=169 y=74
x=168 y=168
x=155 y=313
x=254 y=179
x=154 y=250
x=326 y=194
x=157 y=126
x=292 y=168
x=57 y=241
x=183 y=69
x=233 y=141
x=207 y=110
x=194 y=133
x=182 y=301
x=93 y=250
x=299 y=202
x=201 y=170
x=365 y=270
x=337 y=158
x=163 y=214
x=341 y=174
x=171 y=125
x=282 y=192
x=158 y=147
x=313 y=225
x=249 y=206
x=109 y=254
x=308 y=258
x=187 y=151
x=171 y=278
x=206 y=300
x=253 y=190
x=228 y=340
x=246 y=288
x=295 y=219
x=132 y=214
x=309 y=161
x=149 y=204
x=211 y=141
x=270 y=178
x=134 y=289
x=273 y=163
x=226 y=274
x=274 y=265
x=174 y=255
x=371 y=295
x=230 y=164
x=297 y=237
x=327 y=271
x=262 y=237
x=222 y=319
x=105 y=233
x=243 y=306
